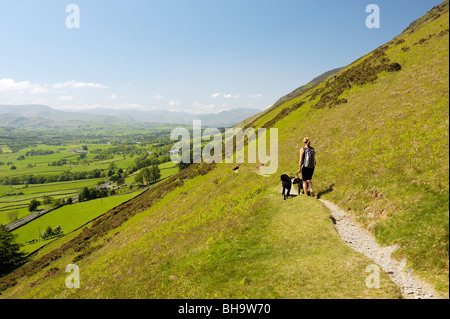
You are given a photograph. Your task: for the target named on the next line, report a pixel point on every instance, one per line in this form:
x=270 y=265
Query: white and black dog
x=287 y=182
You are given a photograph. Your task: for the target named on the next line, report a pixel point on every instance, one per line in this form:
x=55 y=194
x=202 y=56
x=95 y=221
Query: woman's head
x=307 y=142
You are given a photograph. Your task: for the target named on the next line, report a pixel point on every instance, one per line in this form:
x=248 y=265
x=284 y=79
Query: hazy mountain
x=13 y=120
x=222 y=119
x=41 y=115
x=41 y=112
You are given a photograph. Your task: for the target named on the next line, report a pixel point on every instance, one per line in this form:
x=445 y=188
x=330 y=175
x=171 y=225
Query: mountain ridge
x=51 y=117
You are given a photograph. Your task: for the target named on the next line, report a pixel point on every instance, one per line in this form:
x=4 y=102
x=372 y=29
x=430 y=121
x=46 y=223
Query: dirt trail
x=360 y=240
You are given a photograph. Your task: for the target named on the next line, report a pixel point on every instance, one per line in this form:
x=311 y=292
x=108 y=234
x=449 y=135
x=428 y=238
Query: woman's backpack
x=309 y=160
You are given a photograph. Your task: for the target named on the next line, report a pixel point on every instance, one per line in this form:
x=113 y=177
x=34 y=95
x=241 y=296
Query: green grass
x=228 y=235
x=236 y=240
x=42 y=161
x=278 y=254
x=20 y=203
x=384 y=154
x=69 y=217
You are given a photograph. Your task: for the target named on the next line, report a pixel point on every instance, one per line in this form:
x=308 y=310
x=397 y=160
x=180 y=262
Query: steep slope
x=297 y=92
x=380 y=129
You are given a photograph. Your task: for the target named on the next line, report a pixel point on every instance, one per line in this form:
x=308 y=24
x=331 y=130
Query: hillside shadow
x=326 y=191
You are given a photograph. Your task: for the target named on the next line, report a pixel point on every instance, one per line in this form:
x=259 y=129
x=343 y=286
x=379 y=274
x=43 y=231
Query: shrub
x=34 y=204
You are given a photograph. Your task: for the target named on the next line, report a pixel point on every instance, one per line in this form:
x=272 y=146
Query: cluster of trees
x=49 y=201
x=103 y=157
x=148 y=175
x=88 y=194
x=49 y=232
x=147 y=162
x=19 y=144
x=39 y=152
x=14 y=194
x=116 y=175
x=42 y=179
x=61 y=162
x=109 y=153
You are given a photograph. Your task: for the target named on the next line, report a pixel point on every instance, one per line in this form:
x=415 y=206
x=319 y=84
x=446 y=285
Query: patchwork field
x=69 y=217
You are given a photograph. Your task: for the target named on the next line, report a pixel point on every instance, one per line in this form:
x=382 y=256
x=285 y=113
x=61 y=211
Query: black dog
x=299 y=181
x=287 y=184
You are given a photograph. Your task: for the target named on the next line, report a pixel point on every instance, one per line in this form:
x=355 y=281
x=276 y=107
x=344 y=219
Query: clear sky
x=192 y=55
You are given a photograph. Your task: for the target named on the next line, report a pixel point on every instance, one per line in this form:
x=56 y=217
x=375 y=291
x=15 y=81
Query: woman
x=307 y=173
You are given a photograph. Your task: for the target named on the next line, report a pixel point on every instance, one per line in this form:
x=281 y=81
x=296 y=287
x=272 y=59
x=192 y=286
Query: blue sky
x=199 y=56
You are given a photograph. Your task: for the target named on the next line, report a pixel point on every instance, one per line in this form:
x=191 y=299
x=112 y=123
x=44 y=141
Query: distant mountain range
x=42 y=116
x=222 y=119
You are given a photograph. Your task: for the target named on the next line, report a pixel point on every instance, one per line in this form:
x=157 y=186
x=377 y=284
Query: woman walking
x=307 y=164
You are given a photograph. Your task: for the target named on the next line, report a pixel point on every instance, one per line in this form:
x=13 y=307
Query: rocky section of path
x=360 y=240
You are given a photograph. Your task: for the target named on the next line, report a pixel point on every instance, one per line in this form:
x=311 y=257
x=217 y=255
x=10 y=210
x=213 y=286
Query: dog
x=298 y=181
x=287 y=184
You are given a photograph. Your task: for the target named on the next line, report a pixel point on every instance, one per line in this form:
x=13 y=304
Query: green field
x=61 y=152
x=20 y=203
x=69 y=217
x=39 y=165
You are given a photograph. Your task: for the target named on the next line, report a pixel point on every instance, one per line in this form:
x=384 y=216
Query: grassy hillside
x=380 y=129
x=218 y=235
x=381 y=138
x=297 y=92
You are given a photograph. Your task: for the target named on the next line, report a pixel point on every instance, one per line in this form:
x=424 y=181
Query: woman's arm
x=300 y=160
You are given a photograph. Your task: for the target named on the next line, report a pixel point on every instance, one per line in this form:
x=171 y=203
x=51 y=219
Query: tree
x=58 y=231
x=85 y=195
x=112 y=166
x=47 y=200
x=13 y=216
x=146 y=174
x=114 y=178
x=10 y=254
x=57 y=203
x=120 y=181
x=34 y=204
x=155 y=173
x=47 y=233
x=139 y=178
x=13 y=168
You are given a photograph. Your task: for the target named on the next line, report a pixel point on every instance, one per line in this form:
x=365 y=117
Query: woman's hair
x=307 y=141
